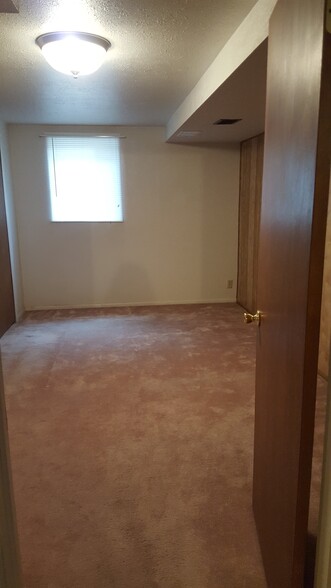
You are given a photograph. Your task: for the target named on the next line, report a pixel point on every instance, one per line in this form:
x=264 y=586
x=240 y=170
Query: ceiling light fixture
x=73 y=53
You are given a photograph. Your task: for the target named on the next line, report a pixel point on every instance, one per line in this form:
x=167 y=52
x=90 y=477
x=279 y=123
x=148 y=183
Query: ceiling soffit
x=8 y=6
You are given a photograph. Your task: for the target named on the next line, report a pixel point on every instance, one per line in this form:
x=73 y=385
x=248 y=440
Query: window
x=84 y=179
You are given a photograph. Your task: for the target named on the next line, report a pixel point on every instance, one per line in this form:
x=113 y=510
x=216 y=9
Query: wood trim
x=7 y=305
x=323 y=557
x=315 y=282
x=251 y=168
x=323 y=566
x=10 y=568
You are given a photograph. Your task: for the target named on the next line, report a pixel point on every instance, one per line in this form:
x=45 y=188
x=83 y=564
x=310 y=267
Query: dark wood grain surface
x=10 y=567
x=292 y=233
x=251 y=167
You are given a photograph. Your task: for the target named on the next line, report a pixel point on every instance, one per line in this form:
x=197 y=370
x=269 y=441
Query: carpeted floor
x=131 y=435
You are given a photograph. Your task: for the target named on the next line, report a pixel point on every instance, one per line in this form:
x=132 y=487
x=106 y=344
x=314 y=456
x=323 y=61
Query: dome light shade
x=73 y=53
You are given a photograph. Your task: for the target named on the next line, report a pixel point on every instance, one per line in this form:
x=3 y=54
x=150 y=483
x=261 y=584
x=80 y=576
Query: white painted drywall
x=11 y=224
x=177 y=244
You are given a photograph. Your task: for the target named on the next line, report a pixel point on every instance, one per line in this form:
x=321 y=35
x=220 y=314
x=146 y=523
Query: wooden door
x=251 y=164
x=292 y=233
x=7 y=308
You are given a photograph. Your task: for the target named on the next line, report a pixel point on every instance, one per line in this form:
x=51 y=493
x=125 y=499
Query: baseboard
x=131 y=304
x=19 y=315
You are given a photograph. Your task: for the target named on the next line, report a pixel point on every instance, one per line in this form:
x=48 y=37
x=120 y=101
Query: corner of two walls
x=178 y=241
x=11 y=223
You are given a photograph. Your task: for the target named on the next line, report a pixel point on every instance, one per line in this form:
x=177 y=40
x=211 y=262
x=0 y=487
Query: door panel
x=7 y=309
x=251 y=164
x=290 y=269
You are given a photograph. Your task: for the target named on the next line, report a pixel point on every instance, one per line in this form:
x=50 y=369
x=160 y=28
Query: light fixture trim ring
x=45 y=38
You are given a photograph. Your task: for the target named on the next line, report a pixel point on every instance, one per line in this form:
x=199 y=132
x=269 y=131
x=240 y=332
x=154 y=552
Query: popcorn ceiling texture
x=159 y=51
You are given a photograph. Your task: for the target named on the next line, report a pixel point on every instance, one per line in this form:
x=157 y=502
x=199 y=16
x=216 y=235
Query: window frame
x=115 y=194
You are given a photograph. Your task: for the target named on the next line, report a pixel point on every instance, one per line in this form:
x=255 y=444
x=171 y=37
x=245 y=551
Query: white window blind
x=85 y=179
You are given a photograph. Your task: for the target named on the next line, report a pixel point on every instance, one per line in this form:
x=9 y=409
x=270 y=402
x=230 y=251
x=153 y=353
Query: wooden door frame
x=323 y=557
x=250 y=192
x=10 y=565
x=7 y=300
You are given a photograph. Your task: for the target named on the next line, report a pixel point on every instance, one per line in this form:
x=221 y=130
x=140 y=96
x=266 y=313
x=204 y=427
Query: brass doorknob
x=251 y=318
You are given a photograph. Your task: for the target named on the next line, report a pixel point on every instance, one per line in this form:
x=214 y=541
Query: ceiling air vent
x=227 y=121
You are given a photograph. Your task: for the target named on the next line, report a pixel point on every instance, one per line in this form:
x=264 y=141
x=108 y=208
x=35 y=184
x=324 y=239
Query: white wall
x=178 y=242
x=11 y=224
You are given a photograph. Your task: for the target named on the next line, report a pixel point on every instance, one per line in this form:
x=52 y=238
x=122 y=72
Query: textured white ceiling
x=160 y=49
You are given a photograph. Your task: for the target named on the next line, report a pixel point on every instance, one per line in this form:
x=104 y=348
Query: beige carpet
x=131 y=436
